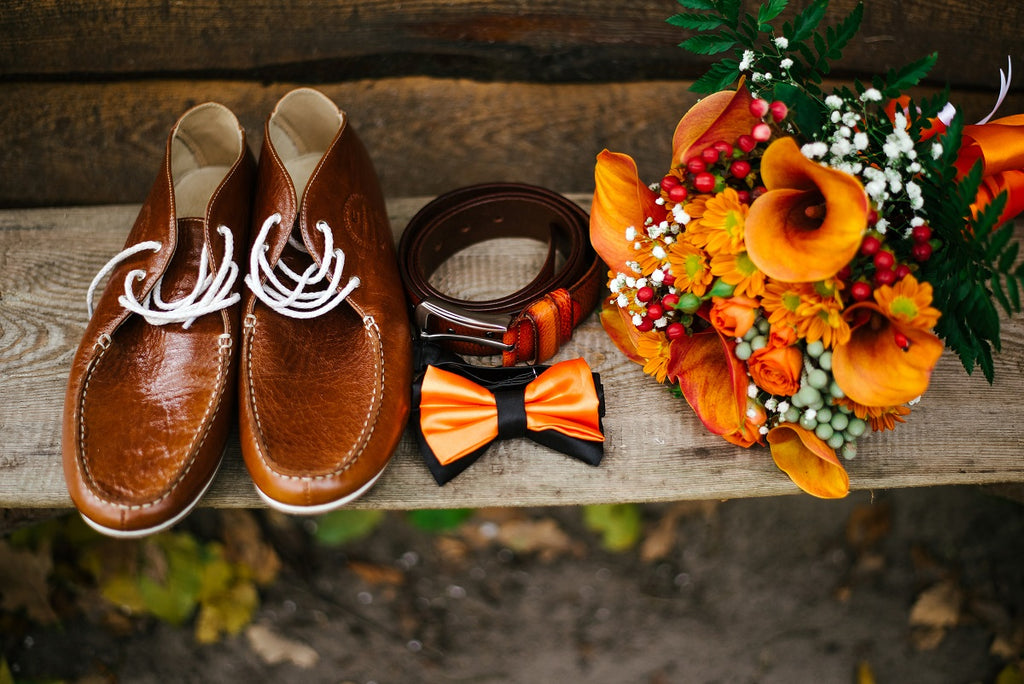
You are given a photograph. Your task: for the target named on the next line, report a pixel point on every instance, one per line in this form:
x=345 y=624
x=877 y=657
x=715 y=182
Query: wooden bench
x=88 y=97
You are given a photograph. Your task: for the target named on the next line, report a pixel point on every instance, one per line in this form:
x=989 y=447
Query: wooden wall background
x=444 y=93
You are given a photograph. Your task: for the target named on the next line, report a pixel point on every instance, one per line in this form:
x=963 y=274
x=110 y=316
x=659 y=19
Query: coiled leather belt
x=528 y=325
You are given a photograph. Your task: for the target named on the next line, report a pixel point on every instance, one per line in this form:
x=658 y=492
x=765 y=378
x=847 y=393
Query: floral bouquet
x=797 y=272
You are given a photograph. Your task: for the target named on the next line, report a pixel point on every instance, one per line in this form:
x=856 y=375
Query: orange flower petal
x=873 y=370
x=785 y=238
x=711 y=378
x=622 y=332
x=810 y=463
x=724 y=115
x=620 y=201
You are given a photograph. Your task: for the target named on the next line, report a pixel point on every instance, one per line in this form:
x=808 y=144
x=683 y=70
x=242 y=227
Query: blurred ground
x=905 y=586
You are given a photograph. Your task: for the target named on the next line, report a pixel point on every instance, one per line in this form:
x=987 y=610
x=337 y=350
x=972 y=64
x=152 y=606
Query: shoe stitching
x=353 y=454
x=194 y=448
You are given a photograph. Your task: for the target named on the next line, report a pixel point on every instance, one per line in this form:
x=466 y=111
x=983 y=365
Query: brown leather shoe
x=326 y=342
x=151 y=394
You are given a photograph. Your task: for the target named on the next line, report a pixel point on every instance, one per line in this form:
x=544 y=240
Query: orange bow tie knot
x=458 y=416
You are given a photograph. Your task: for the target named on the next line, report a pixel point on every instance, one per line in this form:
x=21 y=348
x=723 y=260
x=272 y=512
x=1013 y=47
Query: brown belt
x=525 y=326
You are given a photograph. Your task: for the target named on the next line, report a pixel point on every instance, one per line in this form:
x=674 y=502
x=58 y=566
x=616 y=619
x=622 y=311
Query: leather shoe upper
x=326 y=354
x=151 y=392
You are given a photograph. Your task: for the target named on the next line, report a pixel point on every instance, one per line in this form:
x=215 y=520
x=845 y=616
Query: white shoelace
x=212 y=292
x=294 y=301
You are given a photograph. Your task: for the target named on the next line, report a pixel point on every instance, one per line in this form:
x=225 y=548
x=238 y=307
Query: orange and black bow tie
x=459 y=410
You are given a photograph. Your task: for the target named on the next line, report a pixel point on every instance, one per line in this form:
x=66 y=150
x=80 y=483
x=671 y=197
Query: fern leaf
x=696 y=22
x=707 y=45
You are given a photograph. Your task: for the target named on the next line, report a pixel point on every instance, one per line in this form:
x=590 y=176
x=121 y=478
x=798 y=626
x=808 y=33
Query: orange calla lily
x=621 y=200
x=810 y=463
x=724 y=115
x=810 y=222
x=874 y=370
x=999 y=145
x=711 y=378
x=622 y=332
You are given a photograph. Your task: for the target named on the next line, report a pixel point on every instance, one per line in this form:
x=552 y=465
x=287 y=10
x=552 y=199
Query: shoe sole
x=317 y=509
x=178 y=517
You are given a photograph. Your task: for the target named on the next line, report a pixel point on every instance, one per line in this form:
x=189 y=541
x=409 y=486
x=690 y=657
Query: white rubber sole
x=178 y=517
x=317 y=509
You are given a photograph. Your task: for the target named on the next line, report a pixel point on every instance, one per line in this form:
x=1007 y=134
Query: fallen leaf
x=24 y=582
x=660 y=540
x=455 y=550
x=937 y=606
x=867 y=525
x=244 y=544
x=272 y=648
x=1011 y=674
x=226 y=613
x=439 y=520
x=345 y=525
x=927 y=638
x=865 y=675
x=371 y=573
x=543 y=537
x=619 y=524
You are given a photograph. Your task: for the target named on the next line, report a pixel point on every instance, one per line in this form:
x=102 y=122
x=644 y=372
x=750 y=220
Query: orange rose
x=733 y=316
x=776 y=369
x=782 y=335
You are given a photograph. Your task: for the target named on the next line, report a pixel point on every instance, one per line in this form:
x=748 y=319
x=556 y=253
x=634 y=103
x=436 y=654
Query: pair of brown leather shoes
x=316 y=346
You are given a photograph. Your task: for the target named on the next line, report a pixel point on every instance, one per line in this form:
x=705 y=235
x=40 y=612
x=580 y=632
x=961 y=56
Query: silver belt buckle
x=489 y=328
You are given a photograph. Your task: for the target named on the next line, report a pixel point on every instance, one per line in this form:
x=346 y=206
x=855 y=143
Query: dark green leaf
x=844 y=32
x=909 y=75
x=997 y=290
x=808 y=20
x=719 y=77
x=708 y=45
x=1009 y=255
x=440 y=520
x=1014 y=291
x=803 y=110
x=345 y=525
x=730 y=10
x=985 y=361
x=695 y=22
x=708 y=5
x=770 y=10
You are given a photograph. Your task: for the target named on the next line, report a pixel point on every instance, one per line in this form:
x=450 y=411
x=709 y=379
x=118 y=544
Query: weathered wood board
x=963 y=432
x=99 y=143
x=540 y=41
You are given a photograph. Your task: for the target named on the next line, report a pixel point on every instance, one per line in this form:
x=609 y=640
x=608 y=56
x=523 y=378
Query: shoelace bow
x=294 y=300
x=212 y=291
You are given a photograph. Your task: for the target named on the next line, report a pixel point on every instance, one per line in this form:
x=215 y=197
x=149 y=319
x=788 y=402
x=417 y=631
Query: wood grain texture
x=542 y=40
x=964 y=432
x=100 y=143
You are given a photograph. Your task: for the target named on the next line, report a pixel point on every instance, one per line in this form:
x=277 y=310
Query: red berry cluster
x=724 y=164
x=875 y=265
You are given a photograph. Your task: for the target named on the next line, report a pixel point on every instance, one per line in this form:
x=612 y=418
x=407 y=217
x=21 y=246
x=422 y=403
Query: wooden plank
x=964 y=432
x=101 y=143
x=544 y=40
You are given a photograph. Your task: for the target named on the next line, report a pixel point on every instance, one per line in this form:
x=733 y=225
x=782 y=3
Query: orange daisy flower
x=720 y=229
x=690 y=268
x=739 y=270
x=908 y=302
x=878 y=417
x=654 y=347
x=814 y=309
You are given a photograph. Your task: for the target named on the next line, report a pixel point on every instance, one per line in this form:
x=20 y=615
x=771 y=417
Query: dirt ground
x=906 y=586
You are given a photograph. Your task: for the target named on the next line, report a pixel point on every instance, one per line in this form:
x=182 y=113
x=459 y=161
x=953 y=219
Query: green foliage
x=620 y=525
x=974 y=270
x=5 y=672
x=978 y=264
x=345 y=525
x=897 y=81
x=439 y=520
